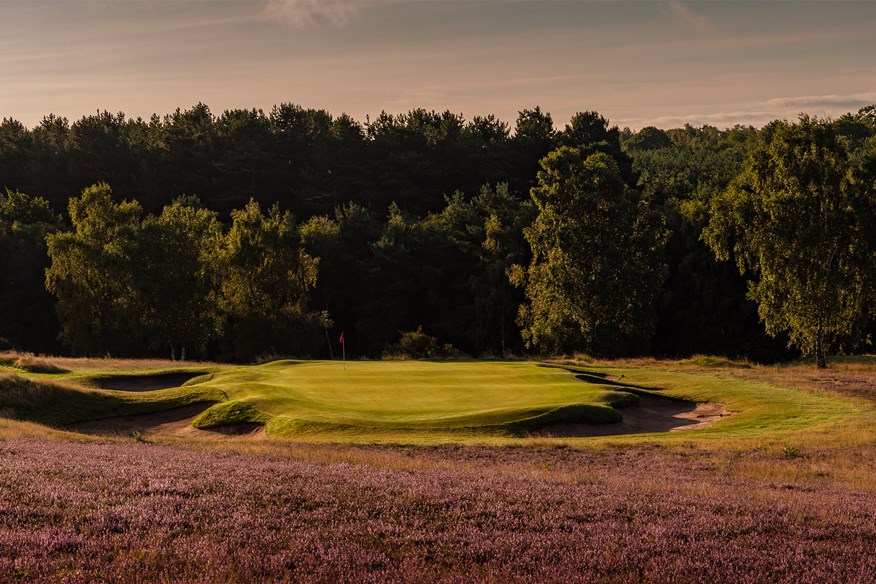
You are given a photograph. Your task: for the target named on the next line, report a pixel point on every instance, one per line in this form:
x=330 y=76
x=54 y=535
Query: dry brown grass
x=88 y=363
x=807 y=465
x=842 y=469
x=14 y=430
x=30 y=362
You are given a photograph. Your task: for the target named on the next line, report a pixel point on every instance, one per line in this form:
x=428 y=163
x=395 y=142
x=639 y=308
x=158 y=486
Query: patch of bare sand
x=653 y=414
x=173 y=423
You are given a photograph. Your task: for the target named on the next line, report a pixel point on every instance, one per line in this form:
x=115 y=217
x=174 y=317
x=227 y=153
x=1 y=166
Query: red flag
x=342 y=338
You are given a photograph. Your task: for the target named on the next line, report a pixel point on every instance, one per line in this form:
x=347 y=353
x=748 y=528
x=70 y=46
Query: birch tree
x=597 y=260
x=92 y=274
x=800 y=225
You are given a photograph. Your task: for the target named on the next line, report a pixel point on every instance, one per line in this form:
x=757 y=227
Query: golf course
x=404 y=470
x=417 y=401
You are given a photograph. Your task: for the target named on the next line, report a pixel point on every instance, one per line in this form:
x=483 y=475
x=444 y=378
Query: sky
x=649 y=62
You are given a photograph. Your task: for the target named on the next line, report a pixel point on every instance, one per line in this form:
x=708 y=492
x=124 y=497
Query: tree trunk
x=182 y=356
x=820 y=359
x=172 y=353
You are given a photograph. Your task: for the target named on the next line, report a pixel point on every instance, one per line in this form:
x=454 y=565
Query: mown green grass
x=410 y=401
x=431 y=402
x=410 y=397
x=760 y=411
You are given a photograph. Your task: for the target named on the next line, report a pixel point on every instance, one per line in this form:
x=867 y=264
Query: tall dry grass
x=30 y=363
x=65 y=364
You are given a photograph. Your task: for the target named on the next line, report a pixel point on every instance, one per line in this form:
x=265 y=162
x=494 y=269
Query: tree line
x=250 y=233
x=305 y=159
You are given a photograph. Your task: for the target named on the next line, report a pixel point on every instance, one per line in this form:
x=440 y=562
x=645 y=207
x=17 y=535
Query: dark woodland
x=251 y=234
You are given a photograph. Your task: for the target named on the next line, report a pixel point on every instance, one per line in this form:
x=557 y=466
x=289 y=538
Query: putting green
x=318 y=396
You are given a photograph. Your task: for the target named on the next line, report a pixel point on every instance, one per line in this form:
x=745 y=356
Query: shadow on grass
x=149 y=382
x=599 y=378
x=59 y=405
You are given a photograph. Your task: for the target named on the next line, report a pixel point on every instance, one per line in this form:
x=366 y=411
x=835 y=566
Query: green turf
x=435 y=401
x=430 y=402
x=759 y=410
x=293 y=397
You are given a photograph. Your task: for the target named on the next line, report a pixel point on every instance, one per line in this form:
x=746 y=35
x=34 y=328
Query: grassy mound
x=410 y=397
x=713 y=362
x=229 y=414
x=56 y=403
x=30 y=363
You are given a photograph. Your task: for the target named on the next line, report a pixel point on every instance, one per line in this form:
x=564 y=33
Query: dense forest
x=250 y=233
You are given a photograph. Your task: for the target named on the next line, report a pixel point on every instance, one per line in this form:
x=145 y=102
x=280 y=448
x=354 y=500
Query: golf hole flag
x=343 y=350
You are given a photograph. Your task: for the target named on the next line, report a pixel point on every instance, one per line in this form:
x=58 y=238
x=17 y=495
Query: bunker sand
x=145 y=382
x=172 y=423
x=653 y=414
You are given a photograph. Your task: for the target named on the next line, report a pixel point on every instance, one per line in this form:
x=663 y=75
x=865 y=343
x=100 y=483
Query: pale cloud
x=718 y=119
x=303 y=14
x=823 y=102
x=683 y=13
x=761 y=113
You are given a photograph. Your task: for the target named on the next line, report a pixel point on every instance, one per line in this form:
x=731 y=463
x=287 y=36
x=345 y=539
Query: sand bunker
x=174 y=423
x=145 y=382
x=653 y=414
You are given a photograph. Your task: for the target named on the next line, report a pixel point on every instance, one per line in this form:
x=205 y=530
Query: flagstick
x=343 y=349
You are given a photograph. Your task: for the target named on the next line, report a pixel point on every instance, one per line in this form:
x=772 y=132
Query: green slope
x=293 y=397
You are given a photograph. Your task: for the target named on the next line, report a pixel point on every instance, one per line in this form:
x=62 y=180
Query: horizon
x=559 y=125
x=647 y=63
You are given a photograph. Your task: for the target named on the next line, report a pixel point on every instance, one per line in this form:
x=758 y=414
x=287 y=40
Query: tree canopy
x=414 y=221
x=596 y=266
x=801 y=223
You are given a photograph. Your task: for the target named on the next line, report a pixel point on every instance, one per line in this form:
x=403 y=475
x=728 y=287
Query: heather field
x=82 y=512
x=782 y=489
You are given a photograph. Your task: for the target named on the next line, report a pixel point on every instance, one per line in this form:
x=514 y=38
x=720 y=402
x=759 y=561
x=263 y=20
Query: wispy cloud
x=683 y=13
x=760 y=113
x=823 y=102
x=718 y=119
x=303 y=14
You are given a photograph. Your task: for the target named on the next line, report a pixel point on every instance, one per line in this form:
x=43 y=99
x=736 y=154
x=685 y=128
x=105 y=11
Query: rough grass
x=30 y=363
x=713 y=361
x=82 y=364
